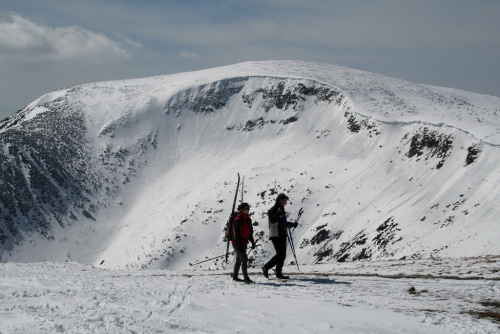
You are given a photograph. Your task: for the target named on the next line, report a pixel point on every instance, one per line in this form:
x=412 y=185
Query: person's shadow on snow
x=321 y=281
x=297 y=281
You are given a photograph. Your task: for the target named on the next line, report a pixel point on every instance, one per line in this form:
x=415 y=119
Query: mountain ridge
x=160 y=153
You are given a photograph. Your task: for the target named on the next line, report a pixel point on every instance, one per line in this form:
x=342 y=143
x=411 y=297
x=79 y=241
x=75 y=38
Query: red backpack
x=229 y=229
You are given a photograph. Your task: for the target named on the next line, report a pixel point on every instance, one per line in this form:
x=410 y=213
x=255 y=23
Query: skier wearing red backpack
x=243 y=234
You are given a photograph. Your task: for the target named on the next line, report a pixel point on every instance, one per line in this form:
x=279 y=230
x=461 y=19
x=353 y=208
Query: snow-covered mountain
x=142 y=173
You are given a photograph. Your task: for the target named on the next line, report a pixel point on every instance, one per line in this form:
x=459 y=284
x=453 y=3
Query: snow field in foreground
x=73 y=298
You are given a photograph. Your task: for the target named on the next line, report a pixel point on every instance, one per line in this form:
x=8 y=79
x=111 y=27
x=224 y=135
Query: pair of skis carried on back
x=233 y=213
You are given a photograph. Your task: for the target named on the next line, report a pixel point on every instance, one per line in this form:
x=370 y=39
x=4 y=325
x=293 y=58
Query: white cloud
x=188 y=55
x=128 y=41
x=25 y=41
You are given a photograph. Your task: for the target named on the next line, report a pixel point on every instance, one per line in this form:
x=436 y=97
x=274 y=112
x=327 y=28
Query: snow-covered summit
x=383 y=98
x=142 y=172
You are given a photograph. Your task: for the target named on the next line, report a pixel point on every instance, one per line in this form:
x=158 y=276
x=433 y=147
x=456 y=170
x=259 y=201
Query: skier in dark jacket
x=278 y=236
x=243 y=233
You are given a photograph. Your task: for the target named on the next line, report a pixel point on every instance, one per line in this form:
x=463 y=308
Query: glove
x=253 y=245
x=294 y=225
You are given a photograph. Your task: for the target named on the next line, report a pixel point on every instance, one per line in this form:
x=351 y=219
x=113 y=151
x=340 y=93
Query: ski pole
x=216 y=257
x=290 y=240
x=213 y=258
x=256 y=245
x=292 y=247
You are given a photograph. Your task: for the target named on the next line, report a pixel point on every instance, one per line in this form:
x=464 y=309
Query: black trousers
x=279 y=259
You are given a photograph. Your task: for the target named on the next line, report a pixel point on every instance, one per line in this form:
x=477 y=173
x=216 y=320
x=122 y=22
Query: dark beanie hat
x=243 y=206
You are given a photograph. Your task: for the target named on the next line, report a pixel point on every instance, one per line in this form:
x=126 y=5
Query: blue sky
x=50 y=44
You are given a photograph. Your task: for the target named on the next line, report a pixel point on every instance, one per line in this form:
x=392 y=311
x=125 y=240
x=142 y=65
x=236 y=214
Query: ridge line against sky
x=56 y=43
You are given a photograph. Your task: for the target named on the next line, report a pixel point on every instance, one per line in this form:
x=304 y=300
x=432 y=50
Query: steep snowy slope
x=141 y=173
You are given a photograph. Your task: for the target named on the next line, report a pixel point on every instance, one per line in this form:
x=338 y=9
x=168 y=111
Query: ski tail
x=301 y=211
x=229 y=225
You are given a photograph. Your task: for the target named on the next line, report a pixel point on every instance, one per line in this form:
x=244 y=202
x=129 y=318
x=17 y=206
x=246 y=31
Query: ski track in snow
x=73 y=298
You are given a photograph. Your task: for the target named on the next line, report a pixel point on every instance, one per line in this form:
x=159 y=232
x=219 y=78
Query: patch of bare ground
x=491 y=311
